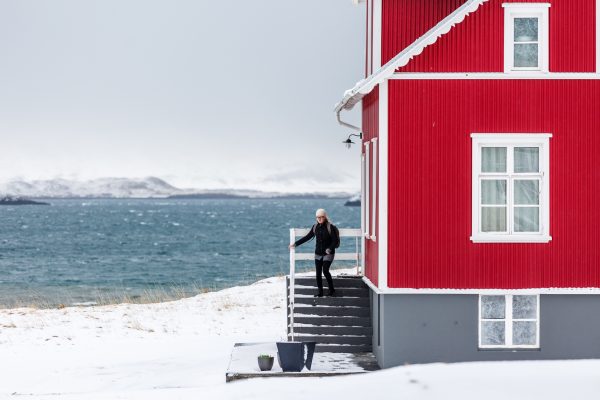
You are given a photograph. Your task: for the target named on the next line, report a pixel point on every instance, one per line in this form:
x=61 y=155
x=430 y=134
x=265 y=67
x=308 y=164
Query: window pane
x=524 y=333
x=527 y=159
x=492 y=307
x=524 y=307
x=527 y=192
x=526 y=29
x=493 y=219
x=492 y=333
x=493 y=191
x=493 y=159
x=527 y=219
x=526 y=55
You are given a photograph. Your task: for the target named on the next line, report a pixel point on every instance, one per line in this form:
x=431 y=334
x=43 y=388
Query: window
x=509 y=321
x=374 y=191
x=510 y=188
x=526 y=37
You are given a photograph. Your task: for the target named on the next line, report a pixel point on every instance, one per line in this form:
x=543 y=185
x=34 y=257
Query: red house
x=481 y=178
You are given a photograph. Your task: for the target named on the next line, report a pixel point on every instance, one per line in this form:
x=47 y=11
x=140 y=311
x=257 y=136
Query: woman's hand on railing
x=292 y=246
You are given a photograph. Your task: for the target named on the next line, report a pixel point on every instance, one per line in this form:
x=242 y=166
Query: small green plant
x=265 y=356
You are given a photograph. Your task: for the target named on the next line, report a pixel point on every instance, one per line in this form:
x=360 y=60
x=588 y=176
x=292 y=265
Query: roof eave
x=363 y=87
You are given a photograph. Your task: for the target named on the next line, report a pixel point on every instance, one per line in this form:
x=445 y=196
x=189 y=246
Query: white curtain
x=527 y=159
x=493 y=159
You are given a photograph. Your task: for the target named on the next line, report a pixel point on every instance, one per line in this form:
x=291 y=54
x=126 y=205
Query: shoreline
x=148 y=296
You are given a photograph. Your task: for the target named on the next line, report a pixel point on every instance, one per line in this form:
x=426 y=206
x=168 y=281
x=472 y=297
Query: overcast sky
x=202 y=93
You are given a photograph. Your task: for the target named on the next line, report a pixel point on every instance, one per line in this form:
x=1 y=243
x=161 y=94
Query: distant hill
x=150 y=187
x=250 y=194
x=103 y=187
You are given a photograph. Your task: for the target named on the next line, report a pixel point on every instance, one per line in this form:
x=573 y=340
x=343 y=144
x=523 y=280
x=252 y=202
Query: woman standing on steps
x=328 y=238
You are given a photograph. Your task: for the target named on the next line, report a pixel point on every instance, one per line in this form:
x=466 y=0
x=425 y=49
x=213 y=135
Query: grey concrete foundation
x=424 y=328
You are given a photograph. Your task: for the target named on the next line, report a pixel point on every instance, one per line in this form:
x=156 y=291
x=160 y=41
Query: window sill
x=511 y=239
x=508 y=349
x=525 y=71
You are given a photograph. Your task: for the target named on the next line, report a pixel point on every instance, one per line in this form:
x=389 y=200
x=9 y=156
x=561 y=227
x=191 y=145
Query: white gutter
x=346 y=124
x=365 y=86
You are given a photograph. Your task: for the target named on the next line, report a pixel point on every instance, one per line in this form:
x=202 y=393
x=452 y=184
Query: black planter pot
x=292 y=356
x=265 y=363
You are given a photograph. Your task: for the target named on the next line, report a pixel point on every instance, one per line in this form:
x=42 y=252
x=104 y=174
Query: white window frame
x=374 y=191
x=526 y=10
x=508 y=323
x=511 y=140
x=367 y=191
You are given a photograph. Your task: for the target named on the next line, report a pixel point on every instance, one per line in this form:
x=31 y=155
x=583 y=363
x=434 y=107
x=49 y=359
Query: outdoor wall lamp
x=348 y=142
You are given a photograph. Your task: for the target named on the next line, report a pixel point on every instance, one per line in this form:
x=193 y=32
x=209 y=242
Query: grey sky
x=201 y=93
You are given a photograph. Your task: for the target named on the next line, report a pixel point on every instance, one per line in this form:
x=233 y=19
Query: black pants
x=323 y=267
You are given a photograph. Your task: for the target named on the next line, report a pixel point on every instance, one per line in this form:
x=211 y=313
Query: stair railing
x=355 y=256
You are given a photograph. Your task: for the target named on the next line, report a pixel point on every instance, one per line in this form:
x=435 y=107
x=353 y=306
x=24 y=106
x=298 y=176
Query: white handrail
x=292 y=280
x=356 y=256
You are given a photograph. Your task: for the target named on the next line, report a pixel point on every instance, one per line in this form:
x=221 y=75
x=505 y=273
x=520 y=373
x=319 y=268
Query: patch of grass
x=62 y=299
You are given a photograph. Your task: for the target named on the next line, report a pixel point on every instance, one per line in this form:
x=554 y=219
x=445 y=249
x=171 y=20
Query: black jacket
x=324 y=239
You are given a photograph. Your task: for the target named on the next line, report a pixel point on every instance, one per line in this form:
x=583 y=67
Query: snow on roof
x=365 y=86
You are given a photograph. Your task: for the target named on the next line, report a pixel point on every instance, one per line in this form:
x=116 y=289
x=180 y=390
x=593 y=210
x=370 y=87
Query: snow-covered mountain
x=150 y=187
x=103 y=187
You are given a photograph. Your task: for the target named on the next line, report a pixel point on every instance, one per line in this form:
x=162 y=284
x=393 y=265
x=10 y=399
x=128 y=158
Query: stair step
x=337 y=282
x=332 y=321
x=340 y=292
x=327 y=339
x=332 y=311
x=334 y=330
x=333 y=301
x=343 y=348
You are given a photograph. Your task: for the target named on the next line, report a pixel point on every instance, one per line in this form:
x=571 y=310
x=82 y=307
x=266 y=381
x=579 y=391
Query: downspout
x=343 y=123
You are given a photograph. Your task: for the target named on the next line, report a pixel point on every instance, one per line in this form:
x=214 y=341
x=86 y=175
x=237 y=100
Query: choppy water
x=77 y=251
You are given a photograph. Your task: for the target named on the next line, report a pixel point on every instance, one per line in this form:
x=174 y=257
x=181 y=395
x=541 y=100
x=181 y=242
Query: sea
x=102 y=251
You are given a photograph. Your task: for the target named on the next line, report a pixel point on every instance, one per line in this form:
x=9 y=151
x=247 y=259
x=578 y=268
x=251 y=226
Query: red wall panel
x=370 y=126
x=404 y=21
x=477 y=43
x=430 y=183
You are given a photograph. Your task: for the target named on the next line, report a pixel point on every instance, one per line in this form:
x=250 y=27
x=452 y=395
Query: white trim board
x=367 y=232
x=375 y=185
x=597 y=25
x=550 y=291
x=376 y=35
x=382 y=185
x=369 y=39
x=495 y=75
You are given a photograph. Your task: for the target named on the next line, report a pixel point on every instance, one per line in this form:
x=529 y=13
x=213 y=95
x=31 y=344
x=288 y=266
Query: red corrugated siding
x=477 y=43
x=404 y=21
x=430 y=183
x=370 y=126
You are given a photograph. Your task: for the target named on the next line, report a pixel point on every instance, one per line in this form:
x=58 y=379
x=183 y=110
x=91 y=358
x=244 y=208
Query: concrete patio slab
x=244 y=365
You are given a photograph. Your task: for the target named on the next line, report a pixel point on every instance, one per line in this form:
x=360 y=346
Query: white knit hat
x=321 y=213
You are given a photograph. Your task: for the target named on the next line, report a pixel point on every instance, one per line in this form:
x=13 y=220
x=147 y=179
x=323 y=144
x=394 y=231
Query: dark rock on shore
x=19 y=201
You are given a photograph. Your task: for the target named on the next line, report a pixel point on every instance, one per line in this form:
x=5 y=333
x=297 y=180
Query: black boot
x=319 y=294
x=331 y=292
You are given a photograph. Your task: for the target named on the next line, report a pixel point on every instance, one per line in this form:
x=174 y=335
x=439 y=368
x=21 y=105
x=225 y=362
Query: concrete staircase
x=340 y=324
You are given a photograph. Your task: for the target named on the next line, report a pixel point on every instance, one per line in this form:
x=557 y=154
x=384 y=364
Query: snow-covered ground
x=181 y=349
